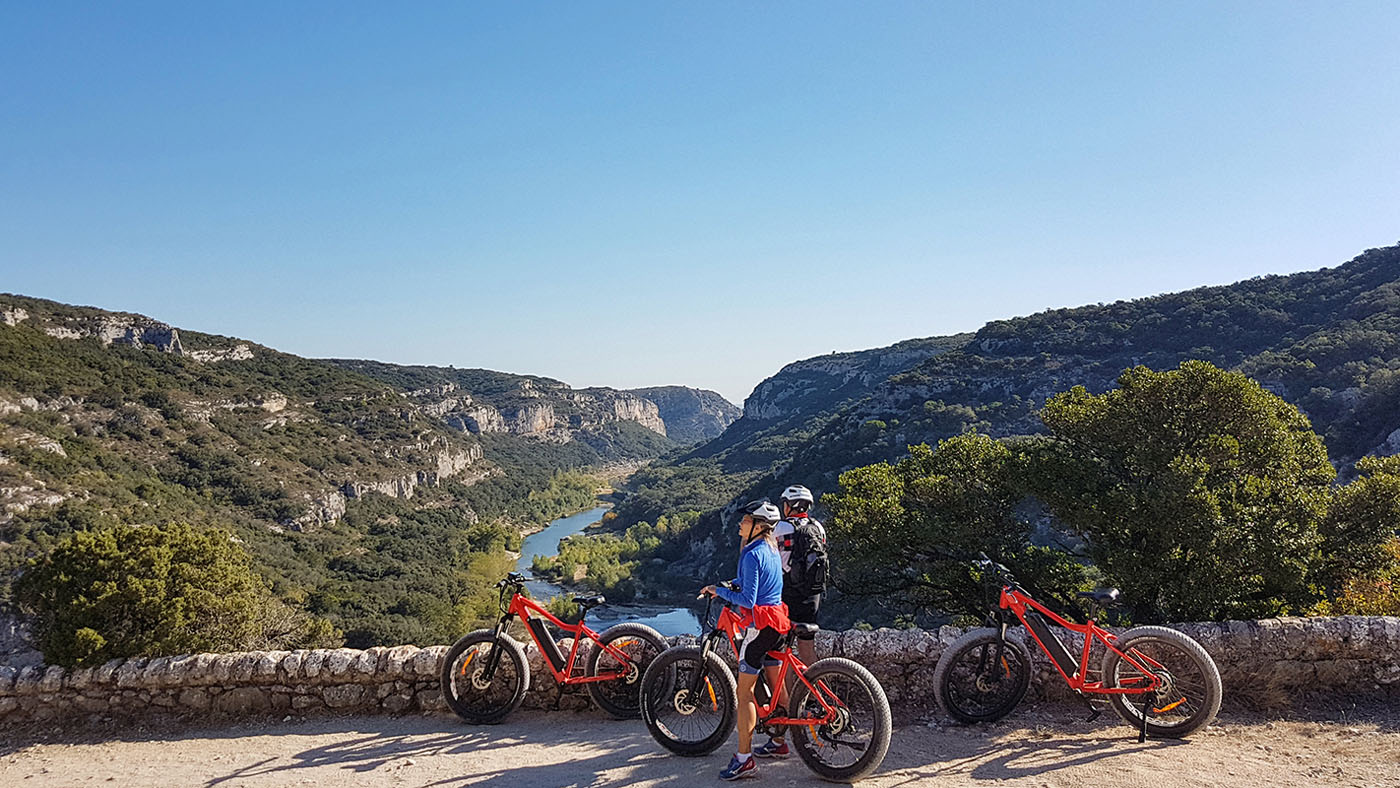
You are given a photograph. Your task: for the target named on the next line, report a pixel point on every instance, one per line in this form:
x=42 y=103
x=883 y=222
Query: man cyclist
x=802 y=547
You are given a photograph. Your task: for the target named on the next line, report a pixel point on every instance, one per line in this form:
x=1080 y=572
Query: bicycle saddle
x=1103 y=596
x=586 y=602
x=804 y=629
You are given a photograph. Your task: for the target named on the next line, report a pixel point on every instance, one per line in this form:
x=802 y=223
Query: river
x=665 y=619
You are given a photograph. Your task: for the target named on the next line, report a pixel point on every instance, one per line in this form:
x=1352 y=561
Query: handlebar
x=511 y=579
x=985 y=564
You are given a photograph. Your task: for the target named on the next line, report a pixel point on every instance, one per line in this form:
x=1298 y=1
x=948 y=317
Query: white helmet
x=796 y=493
x=762 y=510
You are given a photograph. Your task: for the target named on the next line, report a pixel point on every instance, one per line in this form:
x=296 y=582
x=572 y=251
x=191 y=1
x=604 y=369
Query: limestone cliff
x=690 y=415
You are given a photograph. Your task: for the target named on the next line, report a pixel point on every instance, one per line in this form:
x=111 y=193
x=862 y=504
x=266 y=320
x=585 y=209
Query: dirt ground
x=1046 y=748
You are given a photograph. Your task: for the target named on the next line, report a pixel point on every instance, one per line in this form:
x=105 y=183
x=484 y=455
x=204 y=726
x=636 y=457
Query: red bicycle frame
x=1018 y=601
x=563 y=669
x=731 y=623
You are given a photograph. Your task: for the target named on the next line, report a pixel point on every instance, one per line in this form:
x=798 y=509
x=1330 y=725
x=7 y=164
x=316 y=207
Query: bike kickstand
x=1146 y=707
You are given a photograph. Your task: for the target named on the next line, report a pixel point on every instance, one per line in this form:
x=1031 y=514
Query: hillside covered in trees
x=1326 y=341
x=380 y=498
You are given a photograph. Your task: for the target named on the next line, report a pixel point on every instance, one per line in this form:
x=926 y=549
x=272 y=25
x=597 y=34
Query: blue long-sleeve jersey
x=760 y=579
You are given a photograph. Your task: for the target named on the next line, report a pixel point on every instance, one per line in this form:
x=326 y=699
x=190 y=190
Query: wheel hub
x=479 y=679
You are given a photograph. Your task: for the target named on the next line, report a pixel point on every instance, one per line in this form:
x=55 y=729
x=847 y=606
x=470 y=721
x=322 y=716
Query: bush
x=907 y=532
x=128 y=591
x=1198 y=492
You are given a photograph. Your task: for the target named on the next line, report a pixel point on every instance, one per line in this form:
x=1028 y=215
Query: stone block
x=194 y=698
x=395 y=660
x=27 y=681
x=265 y=668
x=303 y=702
x=290 y=667
x=343 y=695
x=53 y=679
x=311 y=665
x=221 y=669
x=338 y=662
x=106 y=673
x=365 y=666
x=243 y=666
x=7 y=678
x=242 y=700
x=155 y=674
x=426 y=663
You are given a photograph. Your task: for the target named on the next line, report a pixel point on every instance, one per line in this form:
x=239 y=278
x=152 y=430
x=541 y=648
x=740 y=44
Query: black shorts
x=804 y=610
x=753 y=651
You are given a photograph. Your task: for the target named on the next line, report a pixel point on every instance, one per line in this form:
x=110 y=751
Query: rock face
x=239 y=352
x=530 y=419
x=133 y=330
x=446 y=463
x=690 y=415
x=1266 y=662
x=826 y=380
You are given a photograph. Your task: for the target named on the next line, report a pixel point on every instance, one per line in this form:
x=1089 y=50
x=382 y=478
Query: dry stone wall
x=1260 y=661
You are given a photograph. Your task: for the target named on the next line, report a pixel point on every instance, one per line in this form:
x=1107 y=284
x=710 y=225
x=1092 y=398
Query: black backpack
x=810 y=565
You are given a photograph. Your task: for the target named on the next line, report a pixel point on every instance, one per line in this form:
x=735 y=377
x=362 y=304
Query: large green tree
x=1198 y=492
x=906 y=532
x=128 y=590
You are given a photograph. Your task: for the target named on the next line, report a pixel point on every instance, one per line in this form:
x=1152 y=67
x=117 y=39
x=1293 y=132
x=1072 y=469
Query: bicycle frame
x=1019 y=602
x=522 y=606
x=731 y=623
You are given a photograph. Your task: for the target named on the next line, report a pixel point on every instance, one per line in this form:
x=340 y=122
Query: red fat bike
x=485 y=675
x=1157 y=679
x=837 y=715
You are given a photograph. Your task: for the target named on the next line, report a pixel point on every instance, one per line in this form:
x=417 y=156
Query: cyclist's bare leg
x=781 y=691
x=748 y=712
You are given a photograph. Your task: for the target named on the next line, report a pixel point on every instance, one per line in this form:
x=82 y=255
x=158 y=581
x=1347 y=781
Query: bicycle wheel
x=972 y=684
x=463 y=684
x=854 y=744
x=622 y=697
x=1189 y=697
x=682 y=720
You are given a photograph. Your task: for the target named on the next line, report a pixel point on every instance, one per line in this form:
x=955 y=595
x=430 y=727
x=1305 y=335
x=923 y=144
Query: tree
x=128 y=591
x=1360 y=563
x=906 y=532
x=1198 y=492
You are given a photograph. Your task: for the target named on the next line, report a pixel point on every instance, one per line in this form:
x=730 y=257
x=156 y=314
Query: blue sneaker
x=775 y=748
x=739 y=770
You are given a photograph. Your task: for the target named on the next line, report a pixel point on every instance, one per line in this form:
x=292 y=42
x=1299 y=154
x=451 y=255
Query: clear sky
x=647 y=193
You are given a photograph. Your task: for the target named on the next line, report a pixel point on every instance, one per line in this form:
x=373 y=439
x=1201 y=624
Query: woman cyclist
x=760 y=596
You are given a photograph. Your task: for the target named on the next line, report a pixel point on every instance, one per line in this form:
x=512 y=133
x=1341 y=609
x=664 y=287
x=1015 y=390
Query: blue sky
x=646 y=193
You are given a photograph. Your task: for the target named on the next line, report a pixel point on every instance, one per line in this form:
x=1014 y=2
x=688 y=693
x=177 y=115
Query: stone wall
x=1259 y=660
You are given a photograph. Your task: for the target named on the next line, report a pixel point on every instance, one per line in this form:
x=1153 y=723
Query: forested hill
x=380 y=497
x=1327 y=341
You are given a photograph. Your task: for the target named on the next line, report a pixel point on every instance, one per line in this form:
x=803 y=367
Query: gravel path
x=1045 y=749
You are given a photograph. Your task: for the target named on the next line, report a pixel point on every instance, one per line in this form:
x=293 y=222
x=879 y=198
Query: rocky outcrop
x=1267 y=662
x=690 y=415
x=321 y=510
x=477 y=419
x=816 y=383
x=13 y=316
x=626 y=407
x=446 y=464
x=239 y=352
x=133 y=330
x=532 y=418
